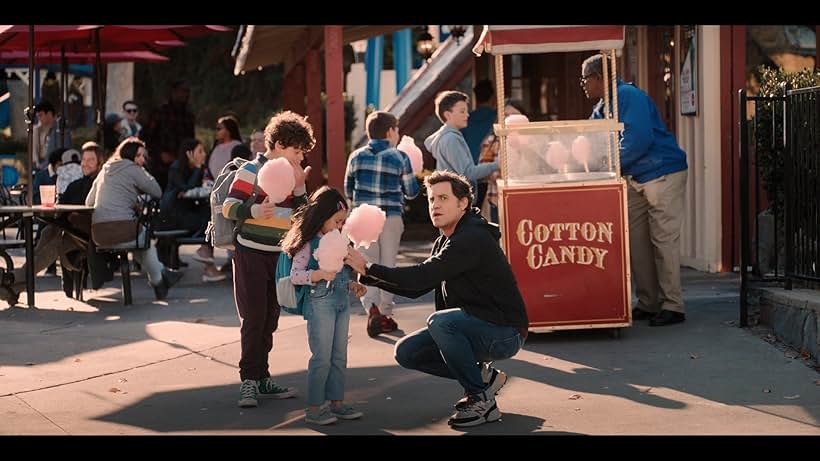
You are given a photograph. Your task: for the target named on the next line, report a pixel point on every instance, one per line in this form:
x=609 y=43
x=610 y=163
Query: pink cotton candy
x=515 y=139
x=331 y=252
x=409 y=147
x=581 y=149
x=557 y=155
x=276 y=179
x=365 y=224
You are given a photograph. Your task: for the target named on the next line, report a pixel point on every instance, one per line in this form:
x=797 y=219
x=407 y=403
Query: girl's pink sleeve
x=299 y=273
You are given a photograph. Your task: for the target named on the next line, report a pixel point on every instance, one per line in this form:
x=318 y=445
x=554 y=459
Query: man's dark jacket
x=468 y=270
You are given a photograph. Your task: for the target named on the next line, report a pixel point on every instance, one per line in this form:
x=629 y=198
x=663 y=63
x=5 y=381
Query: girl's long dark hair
x=187 y=145
x=309 y=218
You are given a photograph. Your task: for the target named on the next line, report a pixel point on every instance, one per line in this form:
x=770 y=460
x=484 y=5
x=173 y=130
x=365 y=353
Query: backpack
x=291 y=298
x=221 y=231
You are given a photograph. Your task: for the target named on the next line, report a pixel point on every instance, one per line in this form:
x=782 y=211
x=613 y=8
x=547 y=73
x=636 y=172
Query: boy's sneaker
x=388 y=324
x=344 y=411
x=374 y=321
x=476 y=411
x=268 y=389
x=322 y=416
x=248 y=391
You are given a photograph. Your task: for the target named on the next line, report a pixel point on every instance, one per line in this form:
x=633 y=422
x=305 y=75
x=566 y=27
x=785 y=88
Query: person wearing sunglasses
x=655 y=169
x=130 y=126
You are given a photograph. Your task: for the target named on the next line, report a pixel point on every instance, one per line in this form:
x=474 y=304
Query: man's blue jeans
x=453 y=344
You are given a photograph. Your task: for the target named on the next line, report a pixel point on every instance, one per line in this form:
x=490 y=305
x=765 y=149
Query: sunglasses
x=132 y=111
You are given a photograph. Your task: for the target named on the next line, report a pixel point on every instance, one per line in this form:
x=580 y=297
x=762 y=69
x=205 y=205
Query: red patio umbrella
x=55 y=57
x=81 y=38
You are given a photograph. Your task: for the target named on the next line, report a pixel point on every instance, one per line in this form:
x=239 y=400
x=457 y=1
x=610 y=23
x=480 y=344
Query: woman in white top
x=226 y=137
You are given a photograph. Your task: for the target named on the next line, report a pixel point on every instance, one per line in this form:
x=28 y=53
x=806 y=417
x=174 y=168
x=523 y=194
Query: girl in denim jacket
x=326 y=308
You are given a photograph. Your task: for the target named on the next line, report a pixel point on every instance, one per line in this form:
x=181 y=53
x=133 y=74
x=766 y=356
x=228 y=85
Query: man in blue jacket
x=655 y=169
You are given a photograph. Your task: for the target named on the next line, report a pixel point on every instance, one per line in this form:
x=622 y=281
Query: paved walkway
x=171 y=368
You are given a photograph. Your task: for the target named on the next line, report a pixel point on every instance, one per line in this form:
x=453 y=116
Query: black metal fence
x=779 y=188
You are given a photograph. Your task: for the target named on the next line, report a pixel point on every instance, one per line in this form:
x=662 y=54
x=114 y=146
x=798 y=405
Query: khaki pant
x=655 y=218
x=384 y=252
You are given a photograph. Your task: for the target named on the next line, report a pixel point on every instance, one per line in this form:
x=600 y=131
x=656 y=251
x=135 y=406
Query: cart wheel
x=615 y=333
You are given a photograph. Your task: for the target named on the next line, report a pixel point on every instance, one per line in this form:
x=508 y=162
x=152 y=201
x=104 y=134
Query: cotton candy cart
x=562 y=200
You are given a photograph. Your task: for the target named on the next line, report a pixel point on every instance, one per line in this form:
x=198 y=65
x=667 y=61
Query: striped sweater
x=259 y=234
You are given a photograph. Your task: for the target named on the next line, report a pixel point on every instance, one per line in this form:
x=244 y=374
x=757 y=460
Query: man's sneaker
x=169 y=278
x=248 y=391
x=344 y=411
x=322 y=416
x=268 y=389
x=374 y=325
x=493 y=377
x=476 y=411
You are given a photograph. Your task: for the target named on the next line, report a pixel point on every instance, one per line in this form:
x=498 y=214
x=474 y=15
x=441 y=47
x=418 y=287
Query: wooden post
x=313 y=77
x=334 y=108
x=293 y=92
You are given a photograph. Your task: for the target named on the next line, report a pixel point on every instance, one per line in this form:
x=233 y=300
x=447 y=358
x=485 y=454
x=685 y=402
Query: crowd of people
x=479 y=315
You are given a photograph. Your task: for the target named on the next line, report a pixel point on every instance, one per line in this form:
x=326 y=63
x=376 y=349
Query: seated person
x=68 y=171
x=185 y=203
x=115 y=195
x=101 y=266
x=54 y=242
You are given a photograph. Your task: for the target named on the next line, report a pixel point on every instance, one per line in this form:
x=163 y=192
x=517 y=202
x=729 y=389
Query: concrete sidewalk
x=171 y=367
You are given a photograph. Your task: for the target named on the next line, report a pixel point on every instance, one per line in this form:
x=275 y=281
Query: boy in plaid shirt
x=379 y=174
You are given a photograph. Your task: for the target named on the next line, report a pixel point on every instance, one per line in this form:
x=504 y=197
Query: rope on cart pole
x=614 y=134
x=607 y=114
x=499 y=83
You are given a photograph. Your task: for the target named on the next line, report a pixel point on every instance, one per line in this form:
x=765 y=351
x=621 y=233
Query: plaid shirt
x=380 y=175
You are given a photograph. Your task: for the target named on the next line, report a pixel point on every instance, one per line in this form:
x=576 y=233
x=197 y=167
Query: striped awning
x=548 y=39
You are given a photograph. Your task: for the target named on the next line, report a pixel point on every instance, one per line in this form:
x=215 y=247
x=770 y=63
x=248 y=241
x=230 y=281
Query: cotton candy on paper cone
x=331 y=252
x=276 y=179
x=409 y=147
x=557 y=155
x=365 y=224
x=514 y=139
x=581 y=151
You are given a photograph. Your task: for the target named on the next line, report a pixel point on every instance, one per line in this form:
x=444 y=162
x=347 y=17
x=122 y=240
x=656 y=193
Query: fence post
x=788 y=174
x=744 y=207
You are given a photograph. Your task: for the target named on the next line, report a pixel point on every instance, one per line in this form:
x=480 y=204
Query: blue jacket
x=648 y=149
x=479 y=125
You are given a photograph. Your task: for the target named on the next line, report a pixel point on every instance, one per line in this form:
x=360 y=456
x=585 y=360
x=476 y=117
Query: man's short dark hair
x=483 y=91
x=379 y=123
x=461 y=187
x=44 y=106
x=446 y=100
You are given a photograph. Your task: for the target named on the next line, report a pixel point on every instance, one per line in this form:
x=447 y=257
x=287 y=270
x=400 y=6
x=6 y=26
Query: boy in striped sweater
x=290 y=136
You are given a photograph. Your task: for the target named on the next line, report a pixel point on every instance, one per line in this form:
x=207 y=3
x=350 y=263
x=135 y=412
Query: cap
x=112 y=118
x=71 y=155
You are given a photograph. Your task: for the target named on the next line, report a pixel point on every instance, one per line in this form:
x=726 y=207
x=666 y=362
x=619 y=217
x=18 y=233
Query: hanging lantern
x=426 y=45
x=457 y=32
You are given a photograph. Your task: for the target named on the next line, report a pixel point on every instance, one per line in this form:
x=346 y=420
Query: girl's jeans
x=328 y=317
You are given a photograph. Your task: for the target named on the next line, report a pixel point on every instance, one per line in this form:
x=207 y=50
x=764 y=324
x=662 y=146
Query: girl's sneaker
x=322 y=416
x=345 y=411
